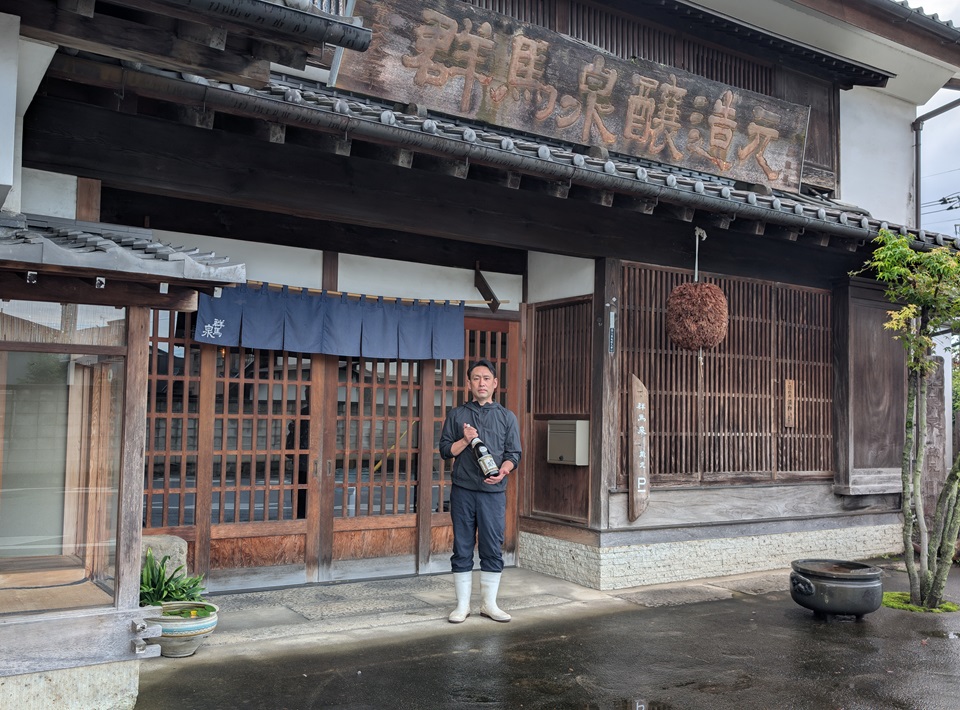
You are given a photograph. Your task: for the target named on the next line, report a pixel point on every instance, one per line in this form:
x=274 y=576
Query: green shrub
x=156 y=586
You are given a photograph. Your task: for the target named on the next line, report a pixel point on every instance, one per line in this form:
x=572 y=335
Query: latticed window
x=378 y=437
x=756 y=408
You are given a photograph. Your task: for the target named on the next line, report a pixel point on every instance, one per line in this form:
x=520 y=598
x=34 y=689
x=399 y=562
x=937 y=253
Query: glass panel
x=59 y=477
x=62 y=323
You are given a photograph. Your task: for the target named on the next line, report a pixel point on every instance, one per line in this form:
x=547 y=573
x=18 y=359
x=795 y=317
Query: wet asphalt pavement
x=748 y=650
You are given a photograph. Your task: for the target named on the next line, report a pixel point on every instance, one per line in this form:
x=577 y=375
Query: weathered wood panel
x=274 y=550
x=480 y=65
x=367 y=544
x=719 y=420
x=690 y=508
x=558 y=491
x=877 y=413
x=80 y=640
x=561 y=353
x=441 y=540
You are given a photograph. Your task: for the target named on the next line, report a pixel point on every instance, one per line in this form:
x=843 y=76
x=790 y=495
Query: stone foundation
x=623 y=566
x=107 y=686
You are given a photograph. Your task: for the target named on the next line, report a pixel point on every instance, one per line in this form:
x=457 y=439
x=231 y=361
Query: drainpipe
x=917 y=129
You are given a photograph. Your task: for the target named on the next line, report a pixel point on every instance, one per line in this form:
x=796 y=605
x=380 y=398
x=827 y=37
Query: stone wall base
x=620 y=567
x=106 y=686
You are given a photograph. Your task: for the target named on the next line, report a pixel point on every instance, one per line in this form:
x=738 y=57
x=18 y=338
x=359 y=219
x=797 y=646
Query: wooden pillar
x=605 y=390
x=205 y=432
x=323 y=400
x=88 y=200
x=129 y=533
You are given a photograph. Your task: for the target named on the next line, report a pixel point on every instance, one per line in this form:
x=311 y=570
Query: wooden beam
x=57 y=288
x=678 y=212
x=750 y=226
x=134 y=153
x=636 y=204
x=123 y=39
x=293 y=57
x=271 y=132
x=493 y=176
x=594 y=196
x=178 y=215
x=213 y=37
x=196 y=116
x=719 y=221
x=452 y=167
x=84 y=8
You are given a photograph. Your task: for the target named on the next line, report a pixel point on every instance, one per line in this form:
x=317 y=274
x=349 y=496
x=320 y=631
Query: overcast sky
x=940 y=142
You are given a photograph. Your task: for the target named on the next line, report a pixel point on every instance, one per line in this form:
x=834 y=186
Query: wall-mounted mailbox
x=568 y=442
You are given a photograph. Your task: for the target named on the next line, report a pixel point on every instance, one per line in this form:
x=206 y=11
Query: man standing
x=478 y=505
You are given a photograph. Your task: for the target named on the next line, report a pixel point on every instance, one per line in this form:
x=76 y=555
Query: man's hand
x=500 y=476
x=469 y=433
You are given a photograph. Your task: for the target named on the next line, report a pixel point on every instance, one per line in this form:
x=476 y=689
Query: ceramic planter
x=182 y=635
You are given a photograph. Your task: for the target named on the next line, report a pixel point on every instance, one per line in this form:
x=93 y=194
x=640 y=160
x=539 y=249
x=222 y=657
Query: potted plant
x=185 y=618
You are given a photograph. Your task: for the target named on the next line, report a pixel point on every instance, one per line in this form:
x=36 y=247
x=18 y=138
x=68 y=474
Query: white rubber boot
x=489 y=584
x=463 y=582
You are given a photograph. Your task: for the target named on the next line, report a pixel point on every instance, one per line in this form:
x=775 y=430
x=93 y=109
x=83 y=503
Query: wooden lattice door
x=308 y=465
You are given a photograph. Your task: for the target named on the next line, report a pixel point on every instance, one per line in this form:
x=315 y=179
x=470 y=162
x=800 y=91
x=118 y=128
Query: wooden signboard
x=639 y=475
x=789 y=404
x=457 y=59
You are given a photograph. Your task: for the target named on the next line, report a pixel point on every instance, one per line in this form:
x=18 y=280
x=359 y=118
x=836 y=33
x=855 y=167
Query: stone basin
x=836 y=587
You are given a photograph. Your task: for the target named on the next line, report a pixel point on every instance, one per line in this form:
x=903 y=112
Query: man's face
x=482 y=384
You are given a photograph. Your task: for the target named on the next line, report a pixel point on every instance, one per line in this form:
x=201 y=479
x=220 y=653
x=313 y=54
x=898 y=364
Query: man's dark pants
x=477 y=517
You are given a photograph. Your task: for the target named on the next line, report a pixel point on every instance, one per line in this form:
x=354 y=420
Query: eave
x=46 y=258
x=458 y=149
x=232 y=41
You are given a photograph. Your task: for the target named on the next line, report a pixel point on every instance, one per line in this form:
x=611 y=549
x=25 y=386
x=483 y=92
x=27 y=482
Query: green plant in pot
x=185 y=618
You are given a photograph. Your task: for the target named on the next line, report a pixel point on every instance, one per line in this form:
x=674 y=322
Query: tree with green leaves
x=925 y=285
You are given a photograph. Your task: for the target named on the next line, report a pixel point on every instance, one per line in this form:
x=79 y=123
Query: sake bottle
x=488 y=467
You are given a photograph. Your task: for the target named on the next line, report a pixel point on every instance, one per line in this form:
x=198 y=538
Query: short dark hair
x=482 y=363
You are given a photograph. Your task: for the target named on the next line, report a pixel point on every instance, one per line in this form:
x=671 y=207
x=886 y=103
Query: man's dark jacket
x=498 y=429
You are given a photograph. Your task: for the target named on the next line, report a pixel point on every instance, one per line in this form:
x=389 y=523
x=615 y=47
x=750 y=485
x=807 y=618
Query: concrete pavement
x=737 y=642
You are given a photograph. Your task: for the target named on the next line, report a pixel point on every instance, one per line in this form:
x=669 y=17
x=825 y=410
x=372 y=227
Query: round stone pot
x=836 y=587
x=182 y=635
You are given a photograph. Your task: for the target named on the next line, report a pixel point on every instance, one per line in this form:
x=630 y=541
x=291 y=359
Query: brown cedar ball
x=697 y=316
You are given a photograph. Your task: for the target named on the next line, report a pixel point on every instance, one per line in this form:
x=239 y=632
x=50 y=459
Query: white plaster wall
x=876 y=154
x=404 y=279
x=12 y=204
x=551 y=277
x=48 y=194
x=9 y=59
x=55 y=195
x=292 y=266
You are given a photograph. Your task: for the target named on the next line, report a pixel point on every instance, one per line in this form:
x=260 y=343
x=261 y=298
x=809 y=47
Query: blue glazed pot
x=181 y=636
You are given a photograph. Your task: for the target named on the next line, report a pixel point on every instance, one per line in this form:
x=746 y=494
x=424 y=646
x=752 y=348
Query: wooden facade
x=280 y=467
x=327 y=465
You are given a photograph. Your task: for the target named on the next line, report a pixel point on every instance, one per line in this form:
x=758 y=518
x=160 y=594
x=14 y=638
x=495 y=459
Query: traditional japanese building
x=413 y=185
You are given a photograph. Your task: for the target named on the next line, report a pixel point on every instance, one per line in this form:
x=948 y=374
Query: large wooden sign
x=457 y=59
x=638 y=495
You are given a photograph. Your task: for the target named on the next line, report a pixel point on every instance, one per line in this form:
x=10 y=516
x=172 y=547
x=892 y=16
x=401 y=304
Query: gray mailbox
x=568 y=442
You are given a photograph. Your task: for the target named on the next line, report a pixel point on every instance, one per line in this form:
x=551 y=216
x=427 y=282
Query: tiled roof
x=298 y=102
x=547 y=159
x=110 y=249
x=920 y=11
